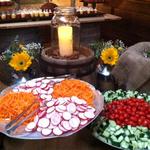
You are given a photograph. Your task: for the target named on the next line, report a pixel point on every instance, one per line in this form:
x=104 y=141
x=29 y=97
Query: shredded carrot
x=12 y=104
x=73 y=87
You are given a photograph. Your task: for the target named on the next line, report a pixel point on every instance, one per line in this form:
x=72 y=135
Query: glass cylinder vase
x=65 y=31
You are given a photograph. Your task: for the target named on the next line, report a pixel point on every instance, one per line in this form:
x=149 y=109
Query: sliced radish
x=49 y=115
x=74 y=122
x=27 y=130
x=43 y=122
x=82 y=116
x=71 y=108
x=43 y=85
x=84 y=107
x=66 y=125
x=36 y=119
x=39 y=129
x=91 y=108
x=67 y=115
x=50 y=91
x=83 y=101
x=57 y=131
x=42 y=114
x=83 y=122
x=75 y=113
x=60 y=108
x=55 y=119
x=78 y=101
x=31 y=126
x=52 y=126
x=30 y=84
x=74 y=98
x=50 y=109
x=38 y=84
x=45 y=81
x=62 y=128
x=46 y=132
x=35 y=92
x=43 y=92
x=89 y=114
x=50 y=103
x=80 y=109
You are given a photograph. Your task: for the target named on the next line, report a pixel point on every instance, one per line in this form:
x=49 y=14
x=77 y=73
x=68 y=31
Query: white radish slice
x=71 y=108
x=80 y=109
x=46 y=132
x=35 y=92
x=50 y=91
x=57 y=131
x=42 y=114
x=82 y=116
x=78 y=101
x=55 y=119
x=83 y=101
x=91 y=108
x=44 y=122
x=62 y=128
x=49 y=115
x=43 y=92
x=46 y=81
x=43 y=96
x=36 y=119
x=66 y=125
x=31 y=126
x=43 y=108
x=27 y=130
x=84 y=107
x=30 y=84
x=75 y=113
x=39 y=129
x=62 y=102
x=60 y=108
x=29 y=90
x=38 y=84
x=83 y=122
x=52 y=126
x=50 y=109
x=50 y=103
x=74 y=98
x=67 y=115
x=74 y=122
x=89 y=114
x=43 y=85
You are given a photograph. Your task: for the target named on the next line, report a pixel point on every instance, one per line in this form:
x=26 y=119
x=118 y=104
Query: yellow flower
x=110 y=56
x=20 y=61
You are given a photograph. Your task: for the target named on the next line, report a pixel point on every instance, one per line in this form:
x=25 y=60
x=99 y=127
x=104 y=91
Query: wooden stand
x=82 y=67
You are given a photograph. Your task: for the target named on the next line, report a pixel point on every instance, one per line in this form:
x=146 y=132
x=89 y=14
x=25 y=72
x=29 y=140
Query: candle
x=65 y=38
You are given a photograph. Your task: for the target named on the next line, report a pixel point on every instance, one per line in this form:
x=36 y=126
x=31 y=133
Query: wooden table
x=83 y=140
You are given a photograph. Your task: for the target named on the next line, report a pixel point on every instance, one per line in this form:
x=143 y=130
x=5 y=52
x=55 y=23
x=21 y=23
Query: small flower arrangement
x=20 y=57
x=108 y=52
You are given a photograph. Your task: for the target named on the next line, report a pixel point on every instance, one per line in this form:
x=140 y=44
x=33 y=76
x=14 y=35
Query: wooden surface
x=135 y=25
x=103 y=18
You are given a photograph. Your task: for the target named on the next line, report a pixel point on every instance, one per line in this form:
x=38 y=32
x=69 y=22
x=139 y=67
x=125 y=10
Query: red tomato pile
x=132 y=111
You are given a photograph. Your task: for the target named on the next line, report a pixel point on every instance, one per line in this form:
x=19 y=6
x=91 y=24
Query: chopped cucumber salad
x=127 y=137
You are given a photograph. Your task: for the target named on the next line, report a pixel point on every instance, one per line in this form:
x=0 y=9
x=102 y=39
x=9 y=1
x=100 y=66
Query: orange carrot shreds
x=12 y=104
x=73 y=87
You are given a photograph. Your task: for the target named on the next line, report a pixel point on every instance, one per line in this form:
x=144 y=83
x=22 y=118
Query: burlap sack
x=133 y=69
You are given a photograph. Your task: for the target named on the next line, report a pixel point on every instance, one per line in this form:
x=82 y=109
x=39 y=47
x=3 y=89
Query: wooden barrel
x=83 y=67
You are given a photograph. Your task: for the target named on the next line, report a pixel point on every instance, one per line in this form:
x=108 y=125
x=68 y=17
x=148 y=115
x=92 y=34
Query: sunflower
x=20 y=61
x=110 y=56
